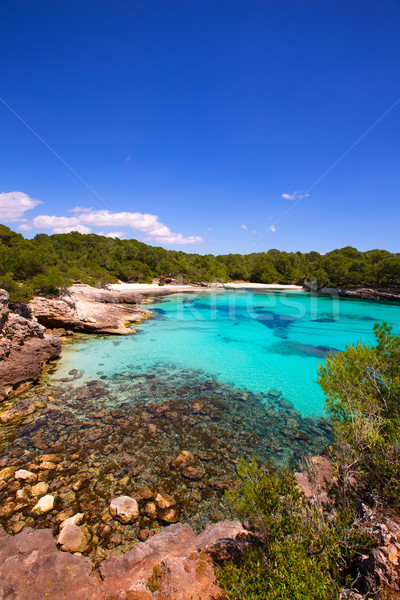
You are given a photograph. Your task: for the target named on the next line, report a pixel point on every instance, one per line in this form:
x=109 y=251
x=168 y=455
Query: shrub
x=362 y=391
x=304 y=555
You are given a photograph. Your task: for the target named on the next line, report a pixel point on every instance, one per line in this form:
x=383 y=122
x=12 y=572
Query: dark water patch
x=303 y=350
x=278 y=322
x=110 y=437
x=324 y=320
x=159 y=311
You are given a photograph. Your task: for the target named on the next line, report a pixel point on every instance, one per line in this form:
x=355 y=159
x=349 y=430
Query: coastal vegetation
x=308 y=551
x=48 y=262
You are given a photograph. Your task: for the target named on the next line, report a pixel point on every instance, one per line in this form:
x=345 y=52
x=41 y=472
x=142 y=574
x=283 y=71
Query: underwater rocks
x=89 y=443
x=24 y=347
x=124 y=509
x=86 y=309
x=72 y=538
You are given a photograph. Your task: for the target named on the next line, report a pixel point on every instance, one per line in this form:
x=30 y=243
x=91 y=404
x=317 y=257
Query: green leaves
x=304 y=555
x=362 y=392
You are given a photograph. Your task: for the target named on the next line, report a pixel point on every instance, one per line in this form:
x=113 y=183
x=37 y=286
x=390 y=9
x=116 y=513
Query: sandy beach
x=148 y=288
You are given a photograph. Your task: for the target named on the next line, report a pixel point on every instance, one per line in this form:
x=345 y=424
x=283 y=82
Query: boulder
x=164 y=501
x=44 y=505
x=71 y=537
x=183 y=460
x=124 y=509
x=39 y=489
x=25 y=475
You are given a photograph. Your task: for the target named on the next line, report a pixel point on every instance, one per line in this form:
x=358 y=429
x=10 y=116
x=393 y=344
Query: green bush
x=304 y=554
x=362 y=391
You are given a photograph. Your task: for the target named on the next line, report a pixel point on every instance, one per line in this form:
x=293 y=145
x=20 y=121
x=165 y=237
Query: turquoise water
x=255 y=341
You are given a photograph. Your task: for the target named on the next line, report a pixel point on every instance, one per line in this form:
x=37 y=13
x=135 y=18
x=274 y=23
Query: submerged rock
x=71 y=537
x=44 y=505
x=124 y=509
x=39 y=489
x=25 y=475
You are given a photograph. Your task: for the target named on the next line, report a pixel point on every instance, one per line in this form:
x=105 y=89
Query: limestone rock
x=24 y=347
x=315 y=481
x=183 y=460
x=151 y=510
x=71 y=537
x=30 y=561
x=39 y=489
x=7 y=473
x=25 y=475
x=193 y=473
x=44 y=505
x=124 y=509
x=83 y=308
x=164 y=501
x=170 y=515
x=143 y=493
x=32 y=567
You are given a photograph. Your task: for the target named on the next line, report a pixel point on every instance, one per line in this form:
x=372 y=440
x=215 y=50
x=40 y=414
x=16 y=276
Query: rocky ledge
x=90 y=310
x=175 y=564
x=390 y=294
x=24 y=347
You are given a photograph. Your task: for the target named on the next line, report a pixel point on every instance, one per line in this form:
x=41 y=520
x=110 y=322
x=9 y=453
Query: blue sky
x=186 y=121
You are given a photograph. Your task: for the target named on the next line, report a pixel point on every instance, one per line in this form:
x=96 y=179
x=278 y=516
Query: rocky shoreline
x=175 y=564
x=378 y=293
x=89 y=310
x=25 y=347
x=95 y=473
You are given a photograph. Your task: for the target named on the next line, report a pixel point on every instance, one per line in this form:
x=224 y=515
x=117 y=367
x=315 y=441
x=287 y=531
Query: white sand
x=261 y=286
x=148 y=288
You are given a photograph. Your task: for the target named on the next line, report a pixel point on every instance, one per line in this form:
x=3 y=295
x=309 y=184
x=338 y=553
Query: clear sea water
x=254 y=341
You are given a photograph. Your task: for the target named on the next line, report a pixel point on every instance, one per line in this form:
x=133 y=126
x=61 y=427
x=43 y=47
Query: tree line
x=48 y=262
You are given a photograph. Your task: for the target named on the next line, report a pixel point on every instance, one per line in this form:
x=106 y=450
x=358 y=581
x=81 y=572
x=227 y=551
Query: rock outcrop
x=86 y=309
x=24 y=346
x=172 y=565
x=391 y=293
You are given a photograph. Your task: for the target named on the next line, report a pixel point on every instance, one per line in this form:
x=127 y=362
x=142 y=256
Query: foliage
x=305 y=554
x=362 y=391
x=154 y=581
x=96 y=259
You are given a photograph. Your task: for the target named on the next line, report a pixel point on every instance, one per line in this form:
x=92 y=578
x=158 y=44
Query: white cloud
x=116 y=234
x=272 y=228
x=243 y=227
x=295 y=196
x=59 y=224
x=80 y=209
x=85 y=219
x=14 y=204
x=210 y=229
x=147 y=223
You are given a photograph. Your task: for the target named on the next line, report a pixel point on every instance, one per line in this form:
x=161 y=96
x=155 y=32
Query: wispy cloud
x=295 y=196
x=272 y=228
x=13 y=205
x=243 y=227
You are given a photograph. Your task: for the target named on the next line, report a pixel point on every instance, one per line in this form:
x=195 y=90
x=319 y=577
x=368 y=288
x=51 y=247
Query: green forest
x=48 y=262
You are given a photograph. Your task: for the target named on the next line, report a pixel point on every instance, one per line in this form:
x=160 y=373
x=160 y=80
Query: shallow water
x=221 y=376
x=253 y=341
